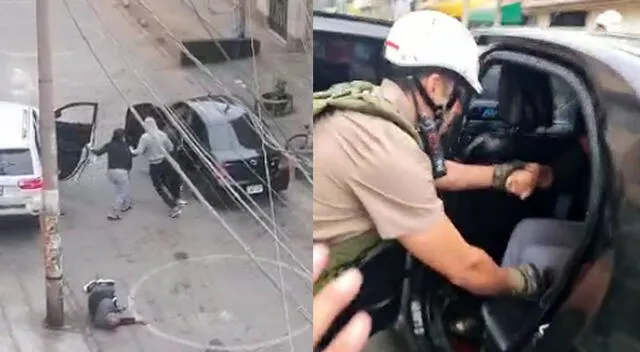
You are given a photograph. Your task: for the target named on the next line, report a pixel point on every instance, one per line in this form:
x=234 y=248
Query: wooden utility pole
x=50 y=214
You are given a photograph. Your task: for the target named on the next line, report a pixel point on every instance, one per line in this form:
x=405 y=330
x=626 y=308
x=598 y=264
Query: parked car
x=20 y=160
x=539 y=85
x=226 y=149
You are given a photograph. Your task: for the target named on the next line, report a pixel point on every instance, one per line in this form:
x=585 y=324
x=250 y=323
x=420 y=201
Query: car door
x=75 y=129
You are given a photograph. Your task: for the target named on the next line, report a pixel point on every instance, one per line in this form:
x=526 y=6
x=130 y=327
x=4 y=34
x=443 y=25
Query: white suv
x=20 y=165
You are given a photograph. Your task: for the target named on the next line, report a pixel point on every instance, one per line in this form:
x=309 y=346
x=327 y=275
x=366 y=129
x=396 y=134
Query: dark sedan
x=219 y=142
x=546 y=91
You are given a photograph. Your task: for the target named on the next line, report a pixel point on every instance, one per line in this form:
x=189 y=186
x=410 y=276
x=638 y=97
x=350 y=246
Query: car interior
x=523 y=114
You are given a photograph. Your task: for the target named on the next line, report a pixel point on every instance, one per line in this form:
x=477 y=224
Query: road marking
x=210 y=259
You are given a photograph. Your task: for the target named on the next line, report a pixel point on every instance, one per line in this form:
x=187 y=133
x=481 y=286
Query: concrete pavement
x=186 y=276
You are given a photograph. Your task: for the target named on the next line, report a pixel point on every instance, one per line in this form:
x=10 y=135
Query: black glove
x=527 y=280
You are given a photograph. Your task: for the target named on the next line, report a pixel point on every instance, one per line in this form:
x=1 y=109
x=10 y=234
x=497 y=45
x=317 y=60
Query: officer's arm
x=462 y=177
x=401 y=200
x=442 y=248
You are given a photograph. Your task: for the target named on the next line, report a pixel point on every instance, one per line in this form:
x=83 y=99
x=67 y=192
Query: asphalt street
x=187 y=276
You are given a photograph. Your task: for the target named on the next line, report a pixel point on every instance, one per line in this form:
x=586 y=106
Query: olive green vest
x=362 y=97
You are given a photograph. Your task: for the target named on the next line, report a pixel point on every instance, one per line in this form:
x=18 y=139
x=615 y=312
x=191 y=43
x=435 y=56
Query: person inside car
x=549 y=242
x=372 y=180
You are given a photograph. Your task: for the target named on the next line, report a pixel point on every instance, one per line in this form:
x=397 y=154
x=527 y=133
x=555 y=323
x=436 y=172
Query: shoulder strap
x=347 y=254
x=362 y=97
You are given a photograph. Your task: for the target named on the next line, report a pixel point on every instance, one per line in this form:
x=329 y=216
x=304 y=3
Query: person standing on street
x=119 y=162
x=165 y=180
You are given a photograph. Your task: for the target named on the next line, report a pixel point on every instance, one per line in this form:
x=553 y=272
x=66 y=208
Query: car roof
x=350 y=25
x=14 y=125
x=217 y=108
x=619 y=52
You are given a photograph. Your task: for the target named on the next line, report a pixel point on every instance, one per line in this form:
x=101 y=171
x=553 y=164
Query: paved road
x=187 y=276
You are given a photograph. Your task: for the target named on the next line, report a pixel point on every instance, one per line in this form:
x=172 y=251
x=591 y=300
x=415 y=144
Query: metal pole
x=465 y=12
x=240 y=20
x=497 y=19
x=50 y=198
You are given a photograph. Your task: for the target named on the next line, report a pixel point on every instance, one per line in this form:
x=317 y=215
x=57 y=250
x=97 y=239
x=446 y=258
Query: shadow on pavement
x=18 y=229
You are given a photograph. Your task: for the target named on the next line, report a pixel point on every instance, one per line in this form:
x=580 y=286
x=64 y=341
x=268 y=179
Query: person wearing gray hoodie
x=165 y=180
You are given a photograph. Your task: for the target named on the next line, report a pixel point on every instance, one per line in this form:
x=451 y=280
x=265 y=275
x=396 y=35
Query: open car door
x=75 y=129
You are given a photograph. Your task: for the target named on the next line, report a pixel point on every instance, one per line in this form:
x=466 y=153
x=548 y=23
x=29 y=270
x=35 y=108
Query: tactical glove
x=527 y=281
x=502 y=172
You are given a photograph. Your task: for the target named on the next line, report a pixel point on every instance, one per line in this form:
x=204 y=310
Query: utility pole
x=497 y=19
x=466 y=9
x=240 y=18
x=50 y=198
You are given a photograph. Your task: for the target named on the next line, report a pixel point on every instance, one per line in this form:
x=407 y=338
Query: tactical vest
x=365 y=98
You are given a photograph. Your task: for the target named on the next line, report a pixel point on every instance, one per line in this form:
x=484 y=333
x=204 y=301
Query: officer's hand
x=329 y=302
x=545 y=179
x=523 y=182
x=528 y=281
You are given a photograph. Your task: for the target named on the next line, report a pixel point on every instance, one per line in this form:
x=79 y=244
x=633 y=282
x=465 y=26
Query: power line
x=285 y=306
x=176 y=166
x=200 y=65
x=210 y=28
x=216 y=167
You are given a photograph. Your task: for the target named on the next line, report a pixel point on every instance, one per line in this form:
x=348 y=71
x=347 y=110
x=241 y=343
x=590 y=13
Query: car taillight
x=30 y=183
x=222 y=173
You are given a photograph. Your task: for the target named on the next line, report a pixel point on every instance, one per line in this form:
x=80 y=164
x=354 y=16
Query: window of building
x=569 y=19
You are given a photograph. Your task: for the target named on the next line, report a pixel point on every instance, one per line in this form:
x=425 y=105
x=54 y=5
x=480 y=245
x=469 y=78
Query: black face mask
x=459 y=93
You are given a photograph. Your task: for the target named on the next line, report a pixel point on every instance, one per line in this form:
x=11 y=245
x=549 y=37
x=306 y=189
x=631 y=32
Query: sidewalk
x=273 y=62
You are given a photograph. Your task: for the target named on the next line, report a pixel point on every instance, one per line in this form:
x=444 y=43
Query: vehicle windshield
x=15 y=162
x=234 y=134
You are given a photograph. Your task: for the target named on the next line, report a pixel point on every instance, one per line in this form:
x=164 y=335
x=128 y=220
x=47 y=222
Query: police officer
x=373 y=181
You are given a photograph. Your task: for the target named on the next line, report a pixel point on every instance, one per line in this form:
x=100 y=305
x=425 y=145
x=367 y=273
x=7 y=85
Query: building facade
x=580 y=13
x=290 y=20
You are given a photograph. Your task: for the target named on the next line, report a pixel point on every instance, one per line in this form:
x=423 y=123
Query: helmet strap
x=437 y=110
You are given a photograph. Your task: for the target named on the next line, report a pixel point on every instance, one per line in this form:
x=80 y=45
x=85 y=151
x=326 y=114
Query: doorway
x=278 y=17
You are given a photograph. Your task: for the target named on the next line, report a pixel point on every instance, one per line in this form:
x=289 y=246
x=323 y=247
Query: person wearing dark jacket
x=119 y=162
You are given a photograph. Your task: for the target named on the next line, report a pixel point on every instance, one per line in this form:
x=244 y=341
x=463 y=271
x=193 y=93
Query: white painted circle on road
x=216 y=258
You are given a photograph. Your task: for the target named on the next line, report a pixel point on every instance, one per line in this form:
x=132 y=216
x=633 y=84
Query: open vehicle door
x=75 y=129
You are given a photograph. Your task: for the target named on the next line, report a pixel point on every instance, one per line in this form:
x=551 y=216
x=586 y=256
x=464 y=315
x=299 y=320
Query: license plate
x=255 y=189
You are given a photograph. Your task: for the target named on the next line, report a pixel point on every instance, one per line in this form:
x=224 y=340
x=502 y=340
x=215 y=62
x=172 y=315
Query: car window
x=564 y=97
x=15 y=162
x=490 y=83
x=342 y=58
x=234 y=134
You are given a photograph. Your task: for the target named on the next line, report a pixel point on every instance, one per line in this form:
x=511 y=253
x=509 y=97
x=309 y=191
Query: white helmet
x=610 y=20
x=433 y=39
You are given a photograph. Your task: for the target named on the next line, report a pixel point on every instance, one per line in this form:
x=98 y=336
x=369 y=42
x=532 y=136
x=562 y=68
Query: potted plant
x=277 y=102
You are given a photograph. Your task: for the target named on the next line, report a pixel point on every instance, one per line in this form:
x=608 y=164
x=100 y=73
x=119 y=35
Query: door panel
x=75 y=129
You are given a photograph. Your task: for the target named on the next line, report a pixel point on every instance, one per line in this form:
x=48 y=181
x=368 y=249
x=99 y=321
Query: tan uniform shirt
x=370 y=174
